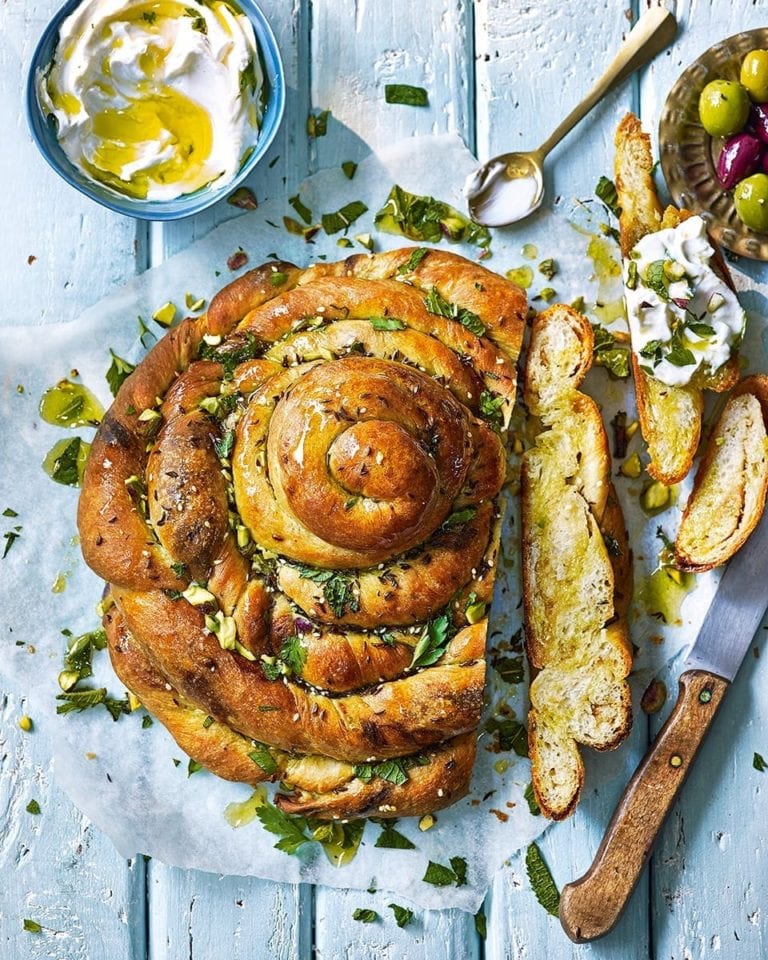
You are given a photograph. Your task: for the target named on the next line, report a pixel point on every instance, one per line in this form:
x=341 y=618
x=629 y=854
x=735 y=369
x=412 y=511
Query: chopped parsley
x=343 y=218
x=198 y=22
x=425 y=218
x=290 y=830
x=119 y=371
x=405 y=94
x=541 y=880
x=433 y=642
x=437 y=304
x=338 y=588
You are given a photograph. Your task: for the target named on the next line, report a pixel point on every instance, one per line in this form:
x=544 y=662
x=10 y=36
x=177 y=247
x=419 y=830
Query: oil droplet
x=522 y=276
x=530 y=251
x=609 y=300
x=241 y=814
x=501 y=766
x=70 y=405
x=664 y=591
x=65 y=461
x=340 y=841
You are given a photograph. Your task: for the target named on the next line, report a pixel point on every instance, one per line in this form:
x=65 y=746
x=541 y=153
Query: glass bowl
x=44 y=131
x=689 y=154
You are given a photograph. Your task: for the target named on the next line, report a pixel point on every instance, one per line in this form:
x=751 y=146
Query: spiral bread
x=294 y=502
x=576 y=568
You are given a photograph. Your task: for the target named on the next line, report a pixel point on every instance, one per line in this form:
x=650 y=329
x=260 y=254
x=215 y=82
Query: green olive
x=754 y=75
x=723 y=108
x=751 y=199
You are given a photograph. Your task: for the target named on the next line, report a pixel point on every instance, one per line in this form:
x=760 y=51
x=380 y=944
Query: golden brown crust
x=285 y=493
x=729 y=492
x=577 y=579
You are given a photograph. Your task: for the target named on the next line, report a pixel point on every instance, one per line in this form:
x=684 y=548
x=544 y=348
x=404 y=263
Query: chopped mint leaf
x=392 y=839
x=223 y=446
x=759 y=763
x=33 y=807
x=193 y=767
x=8 y=512
x=350 y=168
x=338 y=588
x=405 y=94
x=433 y=642
x=343 y=218
x=437 y=304
x=317 y=123
x=541 y=880
x=510 y=669
x=459 y=517
x=403 y=915
x=32 y=926
x=301 y=208
x=365 y=916
x=511 y=734
x=530 y=799
x=262 y=757
x=66 y=467
x=118 y=372
x=386 y=323
x=490 y=408
x=427 y=219
x=609 y=354
x=481 y=924
x=413 y=261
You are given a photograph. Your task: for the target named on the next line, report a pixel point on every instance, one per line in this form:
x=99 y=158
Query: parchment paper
x=123 y=776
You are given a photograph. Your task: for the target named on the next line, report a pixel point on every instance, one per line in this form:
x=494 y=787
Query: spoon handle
x=654 y=31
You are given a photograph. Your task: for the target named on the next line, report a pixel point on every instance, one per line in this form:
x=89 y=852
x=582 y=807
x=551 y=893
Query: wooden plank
x=194 y=914
x=533 y=63
x=55 y=867
x=81 y=251
x=710 y=870
x=356 y=48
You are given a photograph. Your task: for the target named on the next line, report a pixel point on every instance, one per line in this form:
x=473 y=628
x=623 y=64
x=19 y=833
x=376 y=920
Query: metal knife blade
x=736 y=611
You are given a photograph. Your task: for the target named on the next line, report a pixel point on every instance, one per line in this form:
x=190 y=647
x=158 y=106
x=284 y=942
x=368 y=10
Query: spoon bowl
x=506 y=189
x=511 y=186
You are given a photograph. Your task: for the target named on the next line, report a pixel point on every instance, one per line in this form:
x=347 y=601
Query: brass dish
x=689 y=154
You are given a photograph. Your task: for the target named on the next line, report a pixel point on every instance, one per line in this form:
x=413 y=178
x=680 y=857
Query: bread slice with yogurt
x=729 y=492
x=670 y=415
x=576 y=567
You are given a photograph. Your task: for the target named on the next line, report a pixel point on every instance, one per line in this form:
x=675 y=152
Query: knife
x=591 y=905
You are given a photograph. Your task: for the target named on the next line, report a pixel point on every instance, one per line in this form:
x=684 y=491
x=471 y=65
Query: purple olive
x=758 y=121
x=738 y=159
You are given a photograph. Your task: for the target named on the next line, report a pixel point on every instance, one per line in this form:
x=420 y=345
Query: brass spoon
x=511 y=186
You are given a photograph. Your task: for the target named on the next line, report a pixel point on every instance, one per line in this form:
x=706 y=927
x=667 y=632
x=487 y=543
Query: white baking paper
x=122 y=775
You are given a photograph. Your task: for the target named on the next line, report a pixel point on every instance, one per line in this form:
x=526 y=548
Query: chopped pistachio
x=365 y=240
x=655 y=497
x=475 y=612
x=655 y=694
x=530 y=251
x=427 y=822
x=193 y=303
x=243 y=536
x=68 y=679
x=197 y=595
x=225 y=629
x=632 y=467
x=26 y=724
x=632 y=429
x=133 y=701
x=212 y=339
x=149 y=415
x=165 y=315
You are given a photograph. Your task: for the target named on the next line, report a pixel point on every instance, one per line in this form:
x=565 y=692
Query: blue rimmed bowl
x=44 y=130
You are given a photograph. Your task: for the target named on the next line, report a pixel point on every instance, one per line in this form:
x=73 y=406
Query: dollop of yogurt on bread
x=155 y=99
x=683 y=318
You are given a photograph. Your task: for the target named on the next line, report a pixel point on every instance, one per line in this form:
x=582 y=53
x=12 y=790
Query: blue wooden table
x=501 y=73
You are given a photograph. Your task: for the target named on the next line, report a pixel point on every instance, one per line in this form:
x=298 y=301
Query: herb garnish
x=118 y=372
x=198 y=22
x=243 y=198
x=425 y=218
x=441 y=876
x=491 y=409
x=232 y=353
x=365 y=916
x=194 y=766
x=10 y=538
x=510 y=733
x=459 y=517
x=481 y=924
x=530 y=799
x=413 y=261
x=289 y=662
x=437 y=304
x=541 y=880
x=79 y=700
x=510 y=669
x=759 y=763
x=303 y=211
x=386 y=323
x=33 y=807
x=609 y=354
x=606 y=191
x=392 y=839
x=403 y=915
x=343 y=218
x=223 y=445
x=433 y=642
x=262 y=757
x=317 y=123
x=405 y=94
x=393 y=771
x=338 y=588
x=32 y=926
x=350 y=168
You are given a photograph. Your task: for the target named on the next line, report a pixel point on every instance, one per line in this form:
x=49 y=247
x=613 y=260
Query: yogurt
x=155 y=99
x=682 y=317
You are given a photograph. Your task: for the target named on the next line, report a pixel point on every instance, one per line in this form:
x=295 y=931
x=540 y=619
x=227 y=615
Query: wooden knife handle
x=590 y=906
